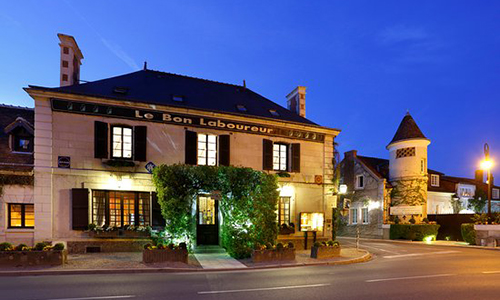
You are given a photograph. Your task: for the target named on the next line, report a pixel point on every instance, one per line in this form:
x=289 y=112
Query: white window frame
x=365 y=216
x=495 y=193
x=122 y=143
x=357 y=184
x=207 y=149
x=353 y=216
x=280 y=156
x=434 y=180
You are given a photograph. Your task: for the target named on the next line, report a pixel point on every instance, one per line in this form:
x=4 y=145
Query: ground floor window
x=21 y=215
x=364 y=215
x=284 y=211
x=118 y=209
x=354 y=215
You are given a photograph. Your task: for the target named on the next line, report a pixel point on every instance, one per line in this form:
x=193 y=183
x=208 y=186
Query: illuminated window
x=354 y=216
x=206 y=211
x=23 y=143
x=118 y=209
x=360 y=182
x=274 y=113
x=280 y=157
x=21 y=216
x=284 y=211
x=207 y=149
x=495 y=193
x=466 y=192
x=122 y=142
x=364 y=215
x=434 y=180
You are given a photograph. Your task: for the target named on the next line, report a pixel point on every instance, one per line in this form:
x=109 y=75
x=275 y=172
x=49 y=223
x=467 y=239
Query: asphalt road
x=398 y=271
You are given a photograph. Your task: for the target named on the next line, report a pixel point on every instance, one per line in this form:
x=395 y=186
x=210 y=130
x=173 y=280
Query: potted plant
x=280 y=252
x=163 y=252
x=287 y=229
x=325 y=250
x=41 y=254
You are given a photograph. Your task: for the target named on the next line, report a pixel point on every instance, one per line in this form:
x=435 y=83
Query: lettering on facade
x=180 y=119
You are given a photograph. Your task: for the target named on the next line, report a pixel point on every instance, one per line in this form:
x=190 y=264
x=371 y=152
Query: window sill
x=22 y=152
x=20 y=230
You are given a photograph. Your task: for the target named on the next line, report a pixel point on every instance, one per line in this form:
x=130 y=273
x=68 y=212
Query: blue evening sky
x=364 y=63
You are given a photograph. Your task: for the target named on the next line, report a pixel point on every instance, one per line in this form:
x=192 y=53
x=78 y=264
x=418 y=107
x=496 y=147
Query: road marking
x=265 y=289
x=411 y=277
x=96 y=298
x=420 y=254
x=379 y=249
x=491 y=272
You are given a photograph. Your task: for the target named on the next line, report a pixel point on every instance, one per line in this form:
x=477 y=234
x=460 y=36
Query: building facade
x=95 y=144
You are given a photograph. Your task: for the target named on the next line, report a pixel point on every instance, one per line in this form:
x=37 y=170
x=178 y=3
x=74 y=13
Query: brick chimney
x=296 y=101
x=71 y=59
x=479 y=175
x=348 y=169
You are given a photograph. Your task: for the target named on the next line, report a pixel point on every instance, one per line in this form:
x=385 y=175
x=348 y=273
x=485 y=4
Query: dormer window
x=241 y=108
x=177 y=98
x=434 y=180
x=274 y=113
x=23 y=143
x=120 y=90
x=21 y=136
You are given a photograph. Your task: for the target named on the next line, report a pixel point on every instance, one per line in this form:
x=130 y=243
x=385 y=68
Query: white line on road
x=266 y=289
x=366 y=246
x=97 y=298
x=491 y=272
x=420 y=254
x=411 y=277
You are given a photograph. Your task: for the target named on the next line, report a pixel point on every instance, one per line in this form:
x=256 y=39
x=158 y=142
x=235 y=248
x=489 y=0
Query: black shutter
x=191 y=148
x=100 y=139
x=267 y=154
x=295 y=158
x=140 y=143
x=224 y=150
x=156 y=217
x=80 y=208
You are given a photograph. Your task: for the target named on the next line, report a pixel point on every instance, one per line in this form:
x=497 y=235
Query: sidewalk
x=131 y=262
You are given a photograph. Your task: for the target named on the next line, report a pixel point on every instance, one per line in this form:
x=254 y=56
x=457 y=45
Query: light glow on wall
x=118 y=182
x=286 y=191
x=373 y=205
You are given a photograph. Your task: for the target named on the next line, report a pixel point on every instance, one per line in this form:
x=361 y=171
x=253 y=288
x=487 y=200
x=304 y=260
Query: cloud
x=120 y=53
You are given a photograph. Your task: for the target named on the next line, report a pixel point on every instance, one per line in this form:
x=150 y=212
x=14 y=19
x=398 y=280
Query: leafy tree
x=479 y=201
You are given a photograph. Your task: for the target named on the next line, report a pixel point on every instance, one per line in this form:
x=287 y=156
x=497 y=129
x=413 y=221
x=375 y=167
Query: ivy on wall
x=247 y=205
x=409 y=192
x=11 y=179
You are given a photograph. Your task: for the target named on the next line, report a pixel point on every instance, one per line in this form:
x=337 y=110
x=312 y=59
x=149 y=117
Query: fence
x=451 y=225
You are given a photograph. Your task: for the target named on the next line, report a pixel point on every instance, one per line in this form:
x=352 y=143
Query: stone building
x=96 y=142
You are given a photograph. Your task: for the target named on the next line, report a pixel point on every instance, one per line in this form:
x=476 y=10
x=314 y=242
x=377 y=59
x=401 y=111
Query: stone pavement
x=215 y=257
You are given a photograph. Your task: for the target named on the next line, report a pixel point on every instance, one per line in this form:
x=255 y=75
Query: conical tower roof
x=408 y=129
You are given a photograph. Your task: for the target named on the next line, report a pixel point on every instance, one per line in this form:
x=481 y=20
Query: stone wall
x=15 y=194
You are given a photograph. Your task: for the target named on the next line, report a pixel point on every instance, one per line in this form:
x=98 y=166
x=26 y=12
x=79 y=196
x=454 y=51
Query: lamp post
x=486 y=164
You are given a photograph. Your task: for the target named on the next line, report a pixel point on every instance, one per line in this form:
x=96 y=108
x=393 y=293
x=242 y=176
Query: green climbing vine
x=409 y=192
x=12 y=179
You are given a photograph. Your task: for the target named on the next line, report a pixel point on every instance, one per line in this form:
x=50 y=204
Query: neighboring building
x=16 y=174
x=94 y=141
x=403 y=186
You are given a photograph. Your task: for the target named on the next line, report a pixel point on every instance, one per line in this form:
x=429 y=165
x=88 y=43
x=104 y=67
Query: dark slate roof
x=408 y=129
x=8 y=115
x=378 y=166
x=156 y=87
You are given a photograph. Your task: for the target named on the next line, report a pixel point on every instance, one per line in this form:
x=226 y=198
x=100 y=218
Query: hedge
x=468 y=233
x=413 y=232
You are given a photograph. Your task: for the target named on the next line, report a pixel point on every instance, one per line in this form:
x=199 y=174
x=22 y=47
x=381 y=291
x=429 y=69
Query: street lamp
x=486 y=165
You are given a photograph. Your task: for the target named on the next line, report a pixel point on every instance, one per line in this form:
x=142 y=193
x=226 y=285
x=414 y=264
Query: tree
x=478 y=203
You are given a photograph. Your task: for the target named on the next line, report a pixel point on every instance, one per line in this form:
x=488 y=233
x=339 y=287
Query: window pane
x=29 y=215
x=99 y=207
x=127 y=132
x=128 y=208
x=206 y=211
x=117 y=131
x=15 y=215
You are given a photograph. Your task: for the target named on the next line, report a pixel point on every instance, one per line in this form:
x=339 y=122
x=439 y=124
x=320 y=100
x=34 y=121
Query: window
x=364 y=215
x=23 y=143
x=65 y=50
x=354 y=216
x=117 y=209
x=207 y=149
x=280 y=157
x=241 y=108
x=495 y=193
x=274 y=113
x=177 y=98
x=122 y=142
x=21 y=215
x=423 y=167
x=65 y=77
x=434 y=180
x=284 y=211
x=465 y=192
x=120 y=90
x=360 y=182
x=65 y=63
x=405 y=152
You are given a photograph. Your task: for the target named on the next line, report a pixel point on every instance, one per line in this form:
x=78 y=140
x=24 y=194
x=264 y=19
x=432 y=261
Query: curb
x=364 y=258
x=422 y=243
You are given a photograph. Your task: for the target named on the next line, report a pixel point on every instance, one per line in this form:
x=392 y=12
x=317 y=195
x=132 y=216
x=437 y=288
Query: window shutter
x=156 y=216
x=140 y=143
x=295 y=158
x=191 y=148
x=267 y=154
x=100 y=139
x=224 y=150
x=80 y=208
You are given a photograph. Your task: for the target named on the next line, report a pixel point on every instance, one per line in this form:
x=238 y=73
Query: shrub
x=6 y=247
x=425 y=220
x=480 y=218
x=21 y=247
x=412 y=220
x=40 y=246
x=279 y=246
x=397 y=220
x=291 y=245
x=58 y=247
x=330 y=243
x=269 y=246
x=147 y=246
x=183 y=246
x=336 y=244
x=317 y=244
x=468 y=233
x=413 y=232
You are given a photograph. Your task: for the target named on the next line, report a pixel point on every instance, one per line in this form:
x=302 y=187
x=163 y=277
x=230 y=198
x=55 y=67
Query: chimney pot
x=71 y=59
x=296 y=101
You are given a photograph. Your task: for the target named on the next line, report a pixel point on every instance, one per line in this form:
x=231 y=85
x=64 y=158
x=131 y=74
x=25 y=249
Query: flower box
x=33 y=258
x=325 y=252
x=131 y=234
x=273 y=255
x=164 y=255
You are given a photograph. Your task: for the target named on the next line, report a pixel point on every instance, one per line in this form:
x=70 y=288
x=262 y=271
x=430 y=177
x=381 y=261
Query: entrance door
x=207 y=229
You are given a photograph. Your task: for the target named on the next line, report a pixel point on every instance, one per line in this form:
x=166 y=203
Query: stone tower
x=408 y=171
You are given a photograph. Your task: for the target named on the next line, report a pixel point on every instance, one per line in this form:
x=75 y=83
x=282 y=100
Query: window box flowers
x=43 y=254
x=269 y=252
x=129 y=231
x=325 y=250
x=165 y=253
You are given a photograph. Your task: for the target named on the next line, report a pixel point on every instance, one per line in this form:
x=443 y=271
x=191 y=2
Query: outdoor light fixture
x=343 y=189
x=487 y=165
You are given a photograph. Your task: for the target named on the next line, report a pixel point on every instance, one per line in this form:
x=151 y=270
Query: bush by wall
x=468 y=233
x=413 y=232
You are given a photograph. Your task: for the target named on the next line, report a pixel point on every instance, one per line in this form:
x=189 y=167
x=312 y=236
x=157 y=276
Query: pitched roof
x=156 y=87
x=378 y=166
x=408 y=129
x=8 y=159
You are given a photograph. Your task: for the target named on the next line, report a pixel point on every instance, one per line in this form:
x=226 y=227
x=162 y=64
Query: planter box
x=487 y=235
x=163 y=255
x=325 y=252
x=129 y=234
x=32 y=258
x=273 y=255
